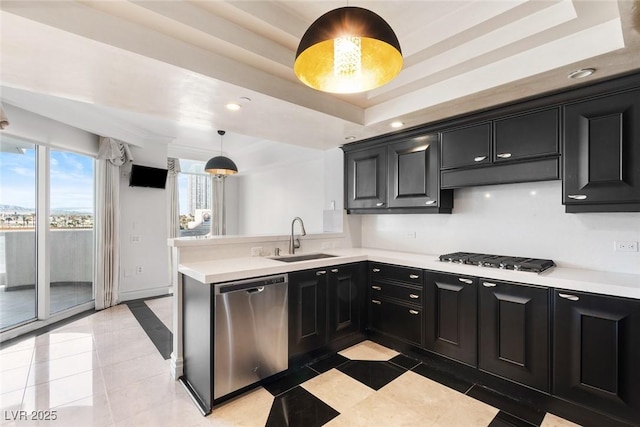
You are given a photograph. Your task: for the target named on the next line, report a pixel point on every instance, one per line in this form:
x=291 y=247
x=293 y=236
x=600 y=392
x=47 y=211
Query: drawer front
x=397 y=320
x=395 y=273
x=382 y=289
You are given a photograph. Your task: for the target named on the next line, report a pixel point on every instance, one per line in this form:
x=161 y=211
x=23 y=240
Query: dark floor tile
x=443 y=378
x=158 y=333
x=289 y=381
x=298 y=407
x=506 y=420
x=333 y=361
x=404 y=361
x=512 y=407
x=374 y=374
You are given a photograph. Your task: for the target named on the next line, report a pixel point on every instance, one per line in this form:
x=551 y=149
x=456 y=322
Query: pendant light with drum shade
x=348 y=50
x=221 y=165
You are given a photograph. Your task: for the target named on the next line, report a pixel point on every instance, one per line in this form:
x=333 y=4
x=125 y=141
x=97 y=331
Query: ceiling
x=150 y=72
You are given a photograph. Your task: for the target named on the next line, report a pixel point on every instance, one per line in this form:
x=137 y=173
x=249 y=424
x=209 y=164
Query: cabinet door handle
x=414 y=276
x=375 y=301
x=504 y=155
x=569 y=297
x=376 y=270
x=377 y=288
x=414 y=312
x=467 y=281
x=414 y=296
x=335 y=270
x=380 y=204
x=429 y=202
x=489 y=285
x=479 y=158
x=577 y=196
x=321 y=272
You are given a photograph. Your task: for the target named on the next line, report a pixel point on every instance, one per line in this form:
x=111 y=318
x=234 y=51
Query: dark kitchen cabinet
x=346 y=298
x=366 y=178
x=525 y=136
x=396 y=305
x=307 y=311
x=602 y=154
x=596 y=352
x=451 y=316
x=513 y=331
x=466 y=146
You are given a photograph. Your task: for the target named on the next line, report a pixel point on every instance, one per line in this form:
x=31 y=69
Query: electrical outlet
x=257 y=251
x=625 y=246
x=135 y=238
x=411 y=234
x=139 y=269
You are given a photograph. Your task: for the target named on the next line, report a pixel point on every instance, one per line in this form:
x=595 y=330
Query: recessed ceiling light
x=350 y=138
x=581 y=73
x=397 y=124
x=233 y=106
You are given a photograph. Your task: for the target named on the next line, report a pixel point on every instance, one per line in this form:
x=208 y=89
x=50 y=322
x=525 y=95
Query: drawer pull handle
x=429 y=202
x=504 y=155
x=467 y=281
x=377 y=288
x=376 y=270
x=375 y=301
x=414 y=296
x=414 y=312
x=335 y=270
x=577 y=196
x=321 y=272
x=569 y=297
x=479 y=158
x=380 y=204
x=489 y=285
x=414 y=276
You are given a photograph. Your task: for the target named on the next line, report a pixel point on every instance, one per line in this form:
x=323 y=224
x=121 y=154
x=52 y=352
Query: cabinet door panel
x=530 y=135
x=451 y=308
x=601 y=150
x=514 y=332
x=307 y=312
x=596 y=352
x=413 y=172
x=366 y=178
x=466 y=146
x=345 y=299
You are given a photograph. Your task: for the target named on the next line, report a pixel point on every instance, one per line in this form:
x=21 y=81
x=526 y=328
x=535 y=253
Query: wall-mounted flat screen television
x=146 y=176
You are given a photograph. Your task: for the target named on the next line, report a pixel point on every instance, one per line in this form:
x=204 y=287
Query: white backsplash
x=516 y=219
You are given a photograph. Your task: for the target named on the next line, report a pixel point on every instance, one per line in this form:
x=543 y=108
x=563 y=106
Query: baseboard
x=144 y=293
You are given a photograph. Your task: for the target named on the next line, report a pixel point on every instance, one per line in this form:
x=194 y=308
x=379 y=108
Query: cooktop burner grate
x=534 y=265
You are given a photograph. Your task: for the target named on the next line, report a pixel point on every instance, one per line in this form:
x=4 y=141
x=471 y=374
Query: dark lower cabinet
x=596 y=357
x=514 y=332
x=307 y=311
x=399 y=320
x=451 y=316
x=346 y=299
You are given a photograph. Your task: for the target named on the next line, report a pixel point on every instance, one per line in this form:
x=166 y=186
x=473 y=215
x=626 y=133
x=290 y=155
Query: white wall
x=517 y=219
x=143 y=213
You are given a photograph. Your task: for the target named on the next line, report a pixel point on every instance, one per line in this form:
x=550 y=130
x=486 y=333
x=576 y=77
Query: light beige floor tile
x=378 y=410
x=26 y=344
x=247 y=410
x=368 y=350
x=338 y=390
x=15 y=359
x=173 y=413
x=59 y=336
x=163 y=308
x=551 y=420
x=62 y=391
x=92 y=411
x=10 y=404
x=463 y=412
x=14 y=379
x=46 y=352
x=110 y=354
x=131 y=371
x=62 y=367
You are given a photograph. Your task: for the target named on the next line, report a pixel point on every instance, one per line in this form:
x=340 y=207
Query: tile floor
x=105 y=370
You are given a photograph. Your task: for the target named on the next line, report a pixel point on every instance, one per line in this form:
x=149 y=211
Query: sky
x=71 y=183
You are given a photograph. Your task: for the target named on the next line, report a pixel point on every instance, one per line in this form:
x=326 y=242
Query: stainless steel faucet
x=294 y=243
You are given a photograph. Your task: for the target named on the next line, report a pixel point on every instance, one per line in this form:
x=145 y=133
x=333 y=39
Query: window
x=194 y=189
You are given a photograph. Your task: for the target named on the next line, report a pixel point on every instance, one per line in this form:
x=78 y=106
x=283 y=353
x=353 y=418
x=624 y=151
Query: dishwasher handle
x=255 y=290
x=250 y=286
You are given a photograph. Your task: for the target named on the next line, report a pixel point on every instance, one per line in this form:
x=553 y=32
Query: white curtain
x=173 y=211
x=111 y=155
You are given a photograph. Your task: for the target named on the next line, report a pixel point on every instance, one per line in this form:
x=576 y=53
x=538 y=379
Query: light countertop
x=223 y=270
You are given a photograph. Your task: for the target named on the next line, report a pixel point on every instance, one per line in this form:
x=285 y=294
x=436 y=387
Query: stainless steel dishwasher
x=250 y=332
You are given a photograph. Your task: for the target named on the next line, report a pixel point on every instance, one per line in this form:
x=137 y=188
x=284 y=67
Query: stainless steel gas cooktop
x=499 y=261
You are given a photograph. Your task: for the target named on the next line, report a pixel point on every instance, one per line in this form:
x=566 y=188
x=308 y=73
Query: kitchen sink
x=303 y=257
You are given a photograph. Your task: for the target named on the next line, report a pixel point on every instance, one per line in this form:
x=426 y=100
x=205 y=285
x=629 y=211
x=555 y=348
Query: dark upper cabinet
x=525 y=136
x=467 y=146
x=345 y=289
x=596 y=352
x=307 y=311
x=451 y=316
x=366 y=178
x=410 y=182
x=602 y=154
x=513 y=332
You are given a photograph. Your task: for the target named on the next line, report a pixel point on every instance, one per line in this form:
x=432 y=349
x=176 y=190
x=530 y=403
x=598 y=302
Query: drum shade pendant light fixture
x=221 y=165
x=348 y=50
